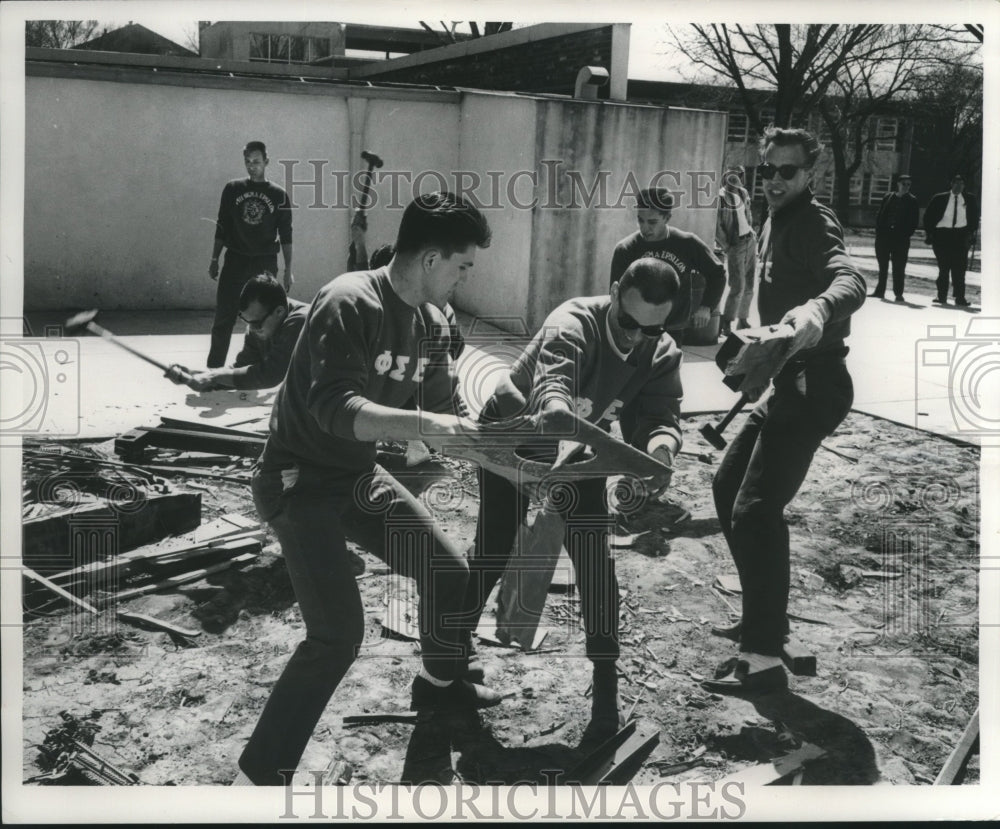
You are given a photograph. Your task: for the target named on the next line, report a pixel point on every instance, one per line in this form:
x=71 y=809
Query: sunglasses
x=629 y=323
x=257 y=323
x=786 y=171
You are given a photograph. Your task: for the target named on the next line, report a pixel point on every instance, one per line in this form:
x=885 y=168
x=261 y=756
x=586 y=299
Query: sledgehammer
x=713 y=434
x=85 y=320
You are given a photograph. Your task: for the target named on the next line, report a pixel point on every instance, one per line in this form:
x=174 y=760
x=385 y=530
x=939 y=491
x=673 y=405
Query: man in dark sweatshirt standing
x=808 y=282
x=606 y=359
x=371 y=341
x=683 y=251
x=255 y=218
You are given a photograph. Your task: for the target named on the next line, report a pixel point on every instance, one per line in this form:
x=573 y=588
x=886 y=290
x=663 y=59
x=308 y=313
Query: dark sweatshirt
x=572 y=357
x=266 y=361
x=801 y=256
x=360 y=342
x=251 y=215
x=687 y=254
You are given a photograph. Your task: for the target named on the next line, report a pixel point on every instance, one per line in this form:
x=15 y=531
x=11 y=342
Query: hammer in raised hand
x=85 y=321
x=374 y=161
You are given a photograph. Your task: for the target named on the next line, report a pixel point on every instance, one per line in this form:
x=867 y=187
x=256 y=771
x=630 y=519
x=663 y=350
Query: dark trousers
x=892 y=247
x=312 y=516
x=951 y=249
x=762 y=470
x=236 y=270
x=502 y=509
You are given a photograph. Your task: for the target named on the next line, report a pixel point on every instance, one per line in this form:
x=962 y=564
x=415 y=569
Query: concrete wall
x=123 y=182
x=631 y=148
x=124 y=171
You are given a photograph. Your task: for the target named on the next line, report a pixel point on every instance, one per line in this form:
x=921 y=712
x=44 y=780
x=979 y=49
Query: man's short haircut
x=255 y=146
x=264 y=289
x=655 y=280
x=655 y=198
x=382 y=255
x=444 y=221
x=782 y=137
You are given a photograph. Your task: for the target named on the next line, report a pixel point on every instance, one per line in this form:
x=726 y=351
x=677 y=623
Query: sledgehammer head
x=711 y=434
x=372 y=159
x=80 y=321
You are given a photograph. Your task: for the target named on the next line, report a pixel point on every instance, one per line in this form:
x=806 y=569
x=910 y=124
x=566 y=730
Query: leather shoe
x=938 y=301
x=900 y=298
x=741 y=681
x=963 y=303
x=730 y=632
x=426 y=696
x=877 y=295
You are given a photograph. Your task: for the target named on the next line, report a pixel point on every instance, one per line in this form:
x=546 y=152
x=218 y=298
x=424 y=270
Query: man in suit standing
x=898 y=217
x=950 y=223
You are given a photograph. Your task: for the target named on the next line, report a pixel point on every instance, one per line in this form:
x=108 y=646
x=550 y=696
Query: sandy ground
x=884 y=585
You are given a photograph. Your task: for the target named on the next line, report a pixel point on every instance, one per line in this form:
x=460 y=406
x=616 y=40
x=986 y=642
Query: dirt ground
x=884 y=593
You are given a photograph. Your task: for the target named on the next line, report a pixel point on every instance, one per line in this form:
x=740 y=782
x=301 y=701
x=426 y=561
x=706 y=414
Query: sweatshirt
x=360 y=343
x=687 y=254
x=266 y=361
x=251 y=215
x=573 y=357
x=801 y=256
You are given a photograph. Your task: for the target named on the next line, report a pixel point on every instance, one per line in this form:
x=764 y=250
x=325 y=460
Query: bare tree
x=846 y=73
x=59 y=34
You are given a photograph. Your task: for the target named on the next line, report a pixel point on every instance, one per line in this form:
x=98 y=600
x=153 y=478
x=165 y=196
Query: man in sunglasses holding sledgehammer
x=806 y=281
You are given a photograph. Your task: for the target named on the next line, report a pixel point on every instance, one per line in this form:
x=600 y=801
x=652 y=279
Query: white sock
x=242 y=780
x=759 y=662
x=433 y=680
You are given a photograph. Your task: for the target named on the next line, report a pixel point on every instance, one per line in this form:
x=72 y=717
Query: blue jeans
x=762 y=470
x=313 y=510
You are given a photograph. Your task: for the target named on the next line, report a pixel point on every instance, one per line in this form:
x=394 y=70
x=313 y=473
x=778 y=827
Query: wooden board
x=525 y=583
x=618 y=760
x=500 y=448
x=751 y=357
x=953 y=771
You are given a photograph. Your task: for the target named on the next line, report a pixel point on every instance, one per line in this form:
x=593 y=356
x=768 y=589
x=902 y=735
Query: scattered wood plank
x=618 y=760
x=210 y=428
x=798 y=658
x=352 y=720
x=955 y=767
x=132 y=443
x=55 y=588
x=144 y=621
x=181 y=578
x=766 y=773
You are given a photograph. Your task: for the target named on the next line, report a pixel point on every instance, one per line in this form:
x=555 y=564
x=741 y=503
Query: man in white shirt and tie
x=950 y=223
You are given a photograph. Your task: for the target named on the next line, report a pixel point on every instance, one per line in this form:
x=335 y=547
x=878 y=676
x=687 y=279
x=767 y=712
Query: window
x=259 y=47
x=738 y=122
x=886 y=134
x=823 y=187
x=855 y=188
x=288 y=48
x=879 y=188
